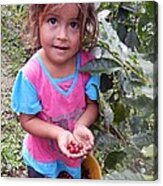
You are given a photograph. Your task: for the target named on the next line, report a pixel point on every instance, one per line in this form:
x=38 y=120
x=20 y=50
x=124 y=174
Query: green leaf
x=142 y=103
x=120 y=112
x=132 y=151
x=132 y=40
x=124 y=175
x=113 y=158
x=122 y=31
x=105 y=141
x=102 y=65
x=142 y=139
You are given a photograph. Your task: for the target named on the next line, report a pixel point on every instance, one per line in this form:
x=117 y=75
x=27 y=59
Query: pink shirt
x=63 y=102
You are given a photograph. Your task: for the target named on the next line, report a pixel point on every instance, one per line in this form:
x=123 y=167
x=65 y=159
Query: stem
x=121 y=63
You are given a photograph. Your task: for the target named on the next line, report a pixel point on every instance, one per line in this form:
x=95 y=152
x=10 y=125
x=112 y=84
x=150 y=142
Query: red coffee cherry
x=75 y=148
x=80 y=146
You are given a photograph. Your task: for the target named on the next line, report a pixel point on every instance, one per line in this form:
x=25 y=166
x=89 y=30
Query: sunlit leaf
x=149 y=151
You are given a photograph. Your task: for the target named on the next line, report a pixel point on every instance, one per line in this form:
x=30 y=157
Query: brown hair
x=87 y=16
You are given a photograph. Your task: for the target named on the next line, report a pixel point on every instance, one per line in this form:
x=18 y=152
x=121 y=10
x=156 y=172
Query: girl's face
x=60 y=33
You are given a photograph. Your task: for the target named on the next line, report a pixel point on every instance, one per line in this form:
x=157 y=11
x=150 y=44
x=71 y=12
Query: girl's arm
x=40 y=128
x=90 y=115
x=81 y=131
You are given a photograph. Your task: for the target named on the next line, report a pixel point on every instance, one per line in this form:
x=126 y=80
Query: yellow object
x=91 y=168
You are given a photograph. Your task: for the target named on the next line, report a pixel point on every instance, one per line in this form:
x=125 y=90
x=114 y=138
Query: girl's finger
x=65 y=151
x=78 y=155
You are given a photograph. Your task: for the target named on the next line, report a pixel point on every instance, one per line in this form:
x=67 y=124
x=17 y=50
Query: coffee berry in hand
x=75 y=148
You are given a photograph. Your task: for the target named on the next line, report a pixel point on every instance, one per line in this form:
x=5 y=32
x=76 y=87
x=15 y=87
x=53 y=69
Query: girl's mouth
x=61 y=47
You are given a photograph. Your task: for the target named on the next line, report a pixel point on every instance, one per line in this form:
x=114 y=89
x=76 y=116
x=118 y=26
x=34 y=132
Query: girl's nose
x=62 y=33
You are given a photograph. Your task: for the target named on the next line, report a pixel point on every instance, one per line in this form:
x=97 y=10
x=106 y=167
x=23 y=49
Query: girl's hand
x=85 y=137
x=64 y=139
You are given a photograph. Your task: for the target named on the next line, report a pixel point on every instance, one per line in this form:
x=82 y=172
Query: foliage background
x=126 y=132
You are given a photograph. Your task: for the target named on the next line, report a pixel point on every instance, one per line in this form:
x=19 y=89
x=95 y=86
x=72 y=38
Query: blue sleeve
x=92 y=87
x=24 y=98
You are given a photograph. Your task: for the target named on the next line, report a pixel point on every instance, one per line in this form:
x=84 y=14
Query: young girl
x=55 y=101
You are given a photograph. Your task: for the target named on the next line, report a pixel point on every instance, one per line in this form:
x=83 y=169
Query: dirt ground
x=7 y=80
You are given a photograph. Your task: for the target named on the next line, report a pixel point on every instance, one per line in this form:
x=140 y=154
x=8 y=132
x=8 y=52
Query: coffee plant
x=126 y=133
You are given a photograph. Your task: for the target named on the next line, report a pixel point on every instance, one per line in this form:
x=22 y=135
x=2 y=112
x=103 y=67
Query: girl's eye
x=52 y=21
x=74 y=25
